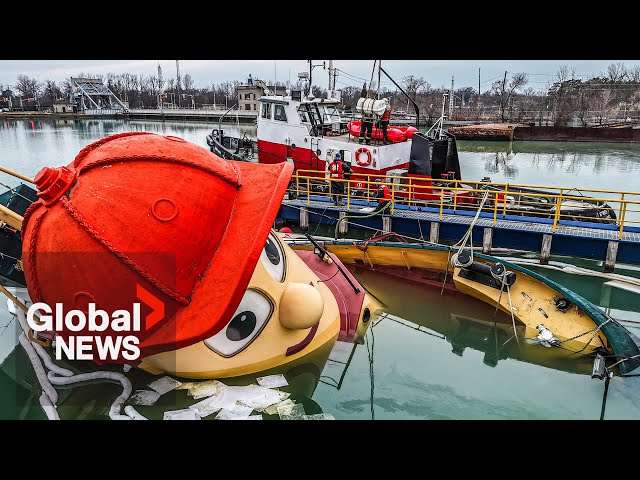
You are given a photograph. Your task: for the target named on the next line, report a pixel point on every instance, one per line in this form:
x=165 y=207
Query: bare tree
x=187 y=82
x=616 y=72
x=28 y=87
x=505 y=91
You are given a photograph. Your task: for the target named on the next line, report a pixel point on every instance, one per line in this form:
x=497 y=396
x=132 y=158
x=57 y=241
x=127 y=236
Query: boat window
x=266 y=111
x=279 y=113
x=304 y=115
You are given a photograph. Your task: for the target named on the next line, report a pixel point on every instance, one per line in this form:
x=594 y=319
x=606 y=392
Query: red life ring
x=367 y=161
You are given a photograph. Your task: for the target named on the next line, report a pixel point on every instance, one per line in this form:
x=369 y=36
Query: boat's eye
x=245 y=325
x=272 y=258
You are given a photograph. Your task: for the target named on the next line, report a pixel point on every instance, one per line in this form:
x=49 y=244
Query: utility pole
x=160 y=85
x=478 y=84
x=178 y=87
x=330 y=74
x=503 y=101
x=451 y=99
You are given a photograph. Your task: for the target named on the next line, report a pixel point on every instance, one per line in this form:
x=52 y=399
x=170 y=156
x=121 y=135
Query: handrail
x=457 y=195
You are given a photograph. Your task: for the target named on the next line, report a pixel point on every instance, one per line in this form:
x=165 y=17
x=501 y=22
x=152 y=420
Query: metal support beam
x=304 y=219
x=386 y=224
x=344 y=226
x=612 y=253
x=546 y=249
x=434 y=232
x=487 y=239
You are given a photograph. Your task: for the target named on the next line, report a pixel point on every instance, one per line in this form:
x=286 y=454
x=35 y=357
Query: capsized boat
x=542 y=311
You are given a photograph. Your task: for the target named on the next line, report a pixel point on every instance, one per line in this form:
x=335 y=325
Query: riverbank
x=514 y=132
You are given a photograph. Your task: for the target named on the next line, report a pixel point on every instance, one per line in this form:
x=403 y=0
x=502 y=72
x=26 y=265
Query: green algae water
x=427 y=356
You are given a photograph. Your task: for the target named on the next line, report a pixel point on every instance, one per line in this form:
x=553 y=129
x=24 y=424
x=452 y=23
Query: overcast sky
x=352 y=72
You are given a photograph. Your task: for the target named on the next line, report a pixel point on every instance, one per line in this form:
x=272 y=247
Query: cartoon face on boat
x=140 y=217
x=286 y=312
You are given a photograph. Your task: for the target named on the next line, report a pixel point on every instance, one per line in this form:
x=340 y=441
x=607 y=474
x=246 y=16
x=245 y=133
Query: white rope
x=468 y=236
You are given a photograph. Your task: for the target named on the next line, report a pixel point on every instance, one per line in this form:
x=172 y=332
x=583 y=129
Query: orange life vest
x=383 y=194
x=336 y=170
x=386 y=115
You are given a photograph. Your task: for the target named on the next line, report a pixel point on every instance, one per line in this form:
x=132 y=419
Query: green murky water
x=428 y=356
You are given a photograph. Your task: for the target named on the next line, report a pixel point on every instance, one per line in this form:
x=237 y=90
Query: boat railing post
x=455 y=198
x=622 y=215
x=393 y=197
x=368 y=187
x=297 y=186
x=504 y=201
x=410 y=192
x=620 y=209
x=556 y=217
x=309 y=189
x=348 y=193
x=441 y=201
x=495 y=210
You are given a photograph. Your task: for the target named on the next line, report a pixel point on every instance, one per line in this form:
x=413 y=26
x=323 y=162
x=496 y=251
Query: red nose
x=53 y=183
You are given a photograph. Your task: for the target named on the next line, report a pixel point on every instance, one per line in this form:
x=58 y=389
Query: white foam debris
x=295 y=412
x=164 y=385
x=239 y=412
x=254 y=417
x=262 y=400
x=187 y=385
x=272 y=381
x=207 y=388
x=319 y=416
x=273 y=409
x=144 y=397
x=184 y=414
x=204 y=407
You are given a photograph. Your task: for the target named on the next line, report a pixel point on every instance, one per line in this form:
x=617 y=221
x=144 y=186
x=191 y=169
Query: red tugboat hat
x=132 y=198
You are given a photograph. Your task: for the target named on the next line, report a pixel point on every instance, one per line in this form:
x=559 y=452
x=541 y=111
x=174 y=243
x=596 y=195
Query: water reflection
x=465 y=323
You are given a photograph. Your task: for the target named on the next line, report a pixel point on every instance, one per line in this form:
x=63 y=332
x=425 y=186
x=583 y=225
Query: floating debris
x=206 y=389
x=187 y=385
x=144 y=397
x=263 y=400
x=239 y=412
x=204 y=407
x=295 y=412
x=164 y=385
x=254 y=417
x=273 y=409
x=272 y=381
x=319 y=416
x=184 y=414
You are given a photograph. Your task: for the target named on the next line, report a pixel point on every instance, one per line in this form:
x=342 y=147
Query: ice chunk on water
x=295 y=412
x=273 y=409
x=144 y=397
x=319 y=416
x=164 y=385
x=206 y=389
x=184 y=414
x=204 y=408
x=272 y=381
x=239 y=412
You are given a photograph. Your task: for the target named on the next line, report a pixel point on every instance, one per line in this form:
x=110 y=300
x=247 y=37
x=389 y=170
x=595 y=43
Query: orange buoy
x=139 y=212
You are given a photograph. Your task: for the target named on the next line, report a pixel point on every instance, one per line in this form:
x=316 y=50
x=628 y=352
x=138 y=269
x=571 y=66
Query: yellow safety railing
x=524 y=200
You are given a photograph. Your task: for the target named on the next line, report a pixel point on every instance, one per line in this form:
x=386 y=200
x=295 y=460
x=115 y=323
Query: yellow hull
x=526 y=312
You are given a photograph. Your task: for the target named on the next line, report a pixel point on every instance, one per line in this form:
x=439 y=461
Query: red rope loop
x=77 y=216
x=102 y=141
x=162 y=158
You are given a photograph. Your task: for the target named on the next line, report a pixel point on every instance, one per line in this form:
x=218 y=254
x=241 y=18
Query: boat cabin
x=308 y=132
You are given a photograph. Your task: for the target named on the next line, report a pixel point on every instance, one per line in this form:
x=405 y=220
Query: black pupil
x=241 y=326
x=272 y=252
